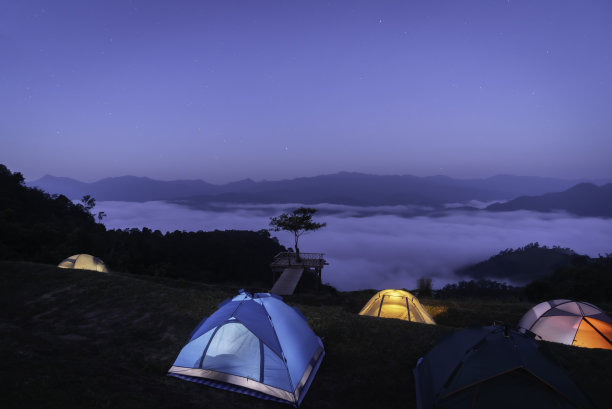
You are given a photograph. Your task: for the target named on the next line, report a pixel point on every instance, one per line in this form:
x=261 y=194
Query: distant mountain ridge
x=347 y=188
x=584 y=199
x=123 y=188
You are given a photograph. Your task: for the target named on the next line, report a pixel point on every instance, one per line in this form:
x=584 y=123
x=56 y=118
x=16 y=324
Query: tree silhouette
x=88 y=203
x=298 y=222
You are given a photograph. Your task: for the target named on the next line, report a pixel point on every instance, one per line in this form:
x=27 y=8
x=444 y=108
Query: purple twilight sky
x=224 y=90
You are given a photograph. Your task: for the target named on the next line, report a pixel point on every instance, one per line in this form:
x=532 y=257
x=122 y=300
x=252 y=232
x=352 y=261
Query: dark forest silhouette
x=522 y=264
x=36 y=226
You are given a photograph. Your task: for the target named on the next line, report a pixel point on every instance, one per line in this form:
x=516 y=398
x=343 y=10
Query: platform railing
x=307 y=259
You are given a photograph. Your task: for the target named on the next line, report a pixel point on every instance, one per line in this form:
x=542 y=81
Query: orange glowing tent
x=569 y=322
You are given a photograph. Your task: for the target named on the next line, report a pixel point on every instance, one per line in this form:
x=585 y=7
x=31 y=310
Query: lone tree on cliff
x=298 y=223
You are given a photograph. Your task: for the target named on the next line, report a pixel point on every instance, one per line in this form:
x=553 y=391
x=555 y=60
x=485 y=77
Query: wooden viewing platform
x=307 y=260
x=287 y=265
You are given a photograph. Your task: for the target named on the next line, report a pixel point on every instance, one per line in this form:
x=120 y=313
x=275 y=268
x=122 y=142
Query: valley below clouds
x=382 y=247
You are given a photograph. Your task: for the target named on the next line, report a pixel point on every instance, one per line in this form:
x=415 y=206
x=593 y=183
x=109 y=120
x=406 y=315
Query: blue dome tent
x=253 y=344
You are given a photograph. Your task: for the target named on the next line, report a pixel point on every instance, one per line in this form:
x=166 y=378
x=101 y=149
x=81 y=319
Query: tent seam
x=279 y=345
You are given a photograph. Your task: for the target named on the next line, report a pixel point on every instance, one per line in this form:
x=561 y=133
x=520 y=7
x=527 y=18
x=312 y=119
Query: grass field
x=75 y=339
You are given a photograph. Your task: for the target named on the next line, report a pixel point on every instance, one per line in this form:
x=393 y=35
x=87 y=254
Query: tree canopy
x=298 y=222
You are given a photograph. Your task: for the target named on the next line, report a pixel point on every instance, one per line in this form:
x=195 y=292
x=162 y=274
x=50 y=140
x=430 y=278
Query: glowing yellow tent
x=84 y=262
x=398 y=304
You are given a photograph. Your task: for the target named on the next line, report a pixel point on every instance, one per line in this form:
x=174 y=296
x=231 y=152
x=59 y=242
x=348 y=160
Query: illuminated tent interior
x=84 y=262
x=256 y=345
x=569 y=322
x=493 y=367
x=398 y=304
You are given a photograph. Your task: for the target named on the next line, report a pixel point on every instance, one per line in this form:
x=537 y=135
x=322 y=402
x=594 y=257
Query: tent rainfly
x=84 y=262
x=256 y=345
x=493 y=367
x=398 y=304
x=569 y=322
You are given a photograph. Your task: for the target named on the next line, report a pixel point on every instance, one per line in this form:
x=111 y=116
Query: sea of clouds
x=385 y=247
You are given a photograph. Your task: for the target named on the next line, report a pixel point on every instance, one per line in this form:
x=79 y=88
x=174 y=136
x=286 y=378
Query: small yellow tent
x=84 y=262
x=398 y=304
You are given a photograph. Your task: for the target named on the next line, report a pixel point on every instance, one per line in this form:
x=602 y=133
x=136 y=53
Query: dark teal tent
x=493 y=367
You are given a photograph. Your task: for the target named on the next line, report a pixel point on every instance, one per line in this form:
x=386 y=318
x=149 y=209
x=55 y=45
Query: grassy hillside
x=73 y=339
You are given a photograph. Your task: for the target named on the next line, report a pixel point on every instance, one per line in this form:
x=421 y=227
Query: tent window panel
x=558 y=312
x=371 y=308
x=570 y=307
x=588 y=337
x=191 y=354
x=417 y=310
x=416 y=316
x=589 y=310
x=557 y=328
x=275 y=371
x=541 y=309
x=254 y=315
x=394 y=307
x=533 y=314
x=234 y=350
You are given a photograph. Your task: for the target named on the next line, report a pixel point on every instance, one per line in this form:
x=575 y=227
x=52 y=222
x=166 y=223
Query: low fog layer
x=384 y=250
